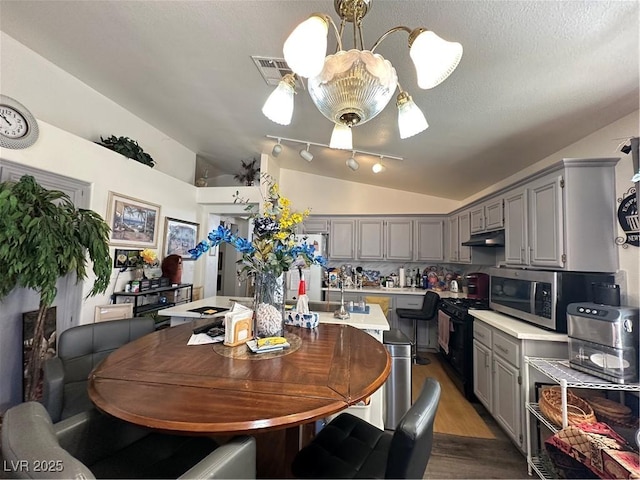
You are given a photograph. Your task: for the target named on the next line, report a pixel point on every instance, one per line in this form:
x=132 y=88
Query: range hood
x=488 y=239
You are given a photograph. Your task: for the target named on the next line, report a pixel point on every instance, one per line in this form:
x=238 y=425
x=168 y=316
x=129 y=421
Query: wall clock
x=18 y=127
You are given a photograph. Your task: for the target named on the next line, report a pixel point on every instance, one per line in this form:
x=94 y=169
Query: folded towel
x=444 y=328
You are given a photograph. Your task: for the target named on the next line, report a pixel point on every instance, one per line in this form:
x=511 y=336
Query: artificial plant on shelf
x=127 y=147
x=249 y=172
x=44 y=237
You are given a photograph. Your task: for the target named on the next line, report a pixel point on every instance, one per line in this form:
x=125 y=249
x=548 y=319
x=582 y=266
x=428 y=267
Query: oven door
x=451 y=340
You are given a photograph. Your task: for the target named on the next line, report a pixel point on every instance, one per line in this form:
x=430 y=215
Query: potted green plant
x=127 y=147
x=43 y=237
x=249 y=172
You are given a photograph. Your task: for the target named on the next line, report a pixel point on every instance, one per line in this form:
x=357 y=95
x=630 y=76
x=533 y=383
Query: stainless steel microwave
x=541 y=297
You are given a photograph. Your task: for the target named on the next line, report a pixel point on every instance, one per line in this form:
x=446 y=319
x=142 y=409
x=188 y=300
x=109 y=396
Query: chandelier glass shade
x=351 y=87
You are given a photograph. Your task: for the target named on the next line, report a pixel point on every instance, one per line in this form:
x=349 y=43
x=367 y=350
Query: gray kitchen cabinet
x=371 y=239
x=482 y=373
x=454 y=239
x=385 y=239
x=459 y=231
x=429 y=240
x=546 y=243
x=399 y=239
x=487 y=216
x=315 y=225
x=342 y=239
x=498 y=363
x=464 y=233
x=549 y=221
x=496 y=380
x=516 y=251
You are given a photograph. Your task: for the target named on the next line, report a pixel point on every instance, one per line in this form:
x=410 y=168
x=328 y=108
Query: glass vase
x=268 y=305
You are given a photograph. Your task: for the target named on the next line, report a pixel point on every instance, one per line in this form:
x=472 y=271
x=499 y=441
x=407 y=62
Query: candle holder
x=342 y=313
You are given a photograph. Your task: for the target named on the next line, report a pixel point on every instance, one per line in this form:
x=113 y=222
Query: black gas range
x=457 y=349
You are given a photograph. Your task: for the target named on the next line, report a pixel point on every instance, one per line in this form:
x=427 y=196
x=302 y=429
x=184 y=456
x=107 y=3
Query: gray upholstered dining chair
x=349 y=447
x=79 y=350
x=93 y=445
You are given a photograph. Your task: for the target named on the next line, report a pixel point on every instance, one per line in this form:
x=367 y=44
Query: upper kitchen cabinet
x=429 y=240
x=487 y=216
x=564 y=219
x=459 y=232
x=315 y=225
x=342 y=239
x=385 y=239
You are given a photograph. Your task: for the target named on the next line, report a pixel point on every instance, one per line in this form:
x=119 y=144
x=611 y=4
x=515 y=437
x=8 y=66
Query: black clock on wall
x=18 y=127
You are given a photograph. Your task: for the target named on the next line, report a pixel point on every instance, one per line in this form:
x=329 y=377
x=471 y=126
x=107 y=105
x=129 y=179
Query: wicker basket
x=578 y=410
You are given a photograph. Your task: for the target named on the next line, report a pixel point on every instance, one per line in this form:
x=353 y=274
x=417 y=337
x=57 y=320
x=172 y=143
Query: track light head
x=277 y=149
x=306 y=154
x=352 y=162
x=378 y=167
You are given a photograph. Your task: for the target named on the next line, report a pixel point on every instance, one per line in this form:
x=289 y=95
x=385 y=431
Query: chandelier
x=352 y=87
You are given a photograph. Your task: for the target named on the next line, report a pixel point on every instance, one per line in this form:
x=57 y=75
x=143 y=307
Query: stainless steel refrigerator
x=312 y=275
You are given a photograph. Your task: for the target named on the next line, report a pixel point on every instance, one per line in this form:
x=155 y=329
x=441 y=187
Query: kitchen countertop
x=374 y=320
x=516 y=328
x=396 y=291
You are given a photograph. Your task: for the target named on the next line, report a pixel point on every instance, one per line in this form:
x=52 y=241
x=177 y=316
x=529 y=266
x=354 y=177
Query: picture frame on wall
x=133 y=222
x=180 y=237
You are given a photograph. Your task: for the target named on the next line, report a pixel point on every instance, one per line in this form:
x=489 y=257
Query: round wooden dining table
x=160 y=382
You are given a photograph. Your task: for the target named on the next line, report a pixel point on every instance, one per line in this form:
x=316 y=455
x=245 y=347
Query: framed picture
x=180 y=237
x=134 y=223
x=125 y=258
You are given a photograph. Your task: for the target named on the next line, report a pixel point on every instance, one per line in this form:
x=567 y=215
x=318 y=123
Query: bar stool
x=428 y=312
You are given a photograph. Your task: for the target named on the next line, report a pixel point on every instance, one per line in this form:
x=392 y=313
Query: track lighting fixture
x=306 y=154
x=277 y=148
x=351 y=162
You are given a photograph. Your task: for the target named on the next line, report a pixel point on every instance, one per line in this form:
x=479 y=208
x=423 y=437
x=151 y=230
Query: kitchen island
x=398 y=297
x=374 y=323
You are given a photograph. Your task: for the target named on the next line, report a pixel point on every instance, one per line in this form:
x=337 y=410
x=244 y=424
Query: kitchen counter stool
x=428 y=312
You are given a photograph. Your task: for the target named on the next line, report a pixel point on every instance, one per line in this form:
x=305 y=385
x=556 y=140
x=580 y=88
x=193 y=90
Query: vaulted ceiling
x=535 y=76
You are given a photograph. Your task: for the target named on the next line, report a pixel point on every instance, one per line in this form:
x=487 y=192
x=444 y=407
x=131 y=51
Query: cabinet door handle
x=486 y=361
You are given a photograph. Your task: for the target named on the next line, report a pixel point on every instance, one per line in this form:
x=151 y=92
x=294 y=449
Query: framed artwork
x=180 y=237
x=134 y=223
x=125 y=258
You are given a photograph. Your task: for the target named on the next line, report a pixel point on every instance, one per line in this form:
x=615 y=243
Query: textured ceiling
x=535 y=76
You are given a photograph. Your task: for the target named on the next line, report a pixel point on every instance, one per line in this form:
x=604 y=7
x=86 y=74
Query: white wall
x=331 y=196
x=66 y=154
x=58 y=98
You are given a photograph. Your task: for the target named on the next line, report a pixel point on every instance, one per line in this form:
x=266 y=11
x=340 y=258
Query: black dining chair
x=428 y=312
x=349 y=447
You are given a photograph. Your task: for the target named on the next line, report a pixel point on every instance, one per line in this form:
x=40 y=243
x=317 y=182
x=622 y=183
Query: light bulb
x=410 y=118
x=306 y=47
x=378 y=167
x=341 y=137
x=279 y=106
x=433 y=57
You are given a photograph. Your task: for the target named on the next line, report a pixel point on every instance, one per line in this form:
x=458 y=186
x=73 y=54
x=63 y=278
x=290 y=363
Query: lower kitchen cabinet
x=498 y=363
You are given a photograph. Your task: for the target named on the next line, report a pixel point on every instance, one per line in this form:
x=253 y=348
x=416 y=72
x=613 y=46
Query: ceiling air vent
x=273 y=69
